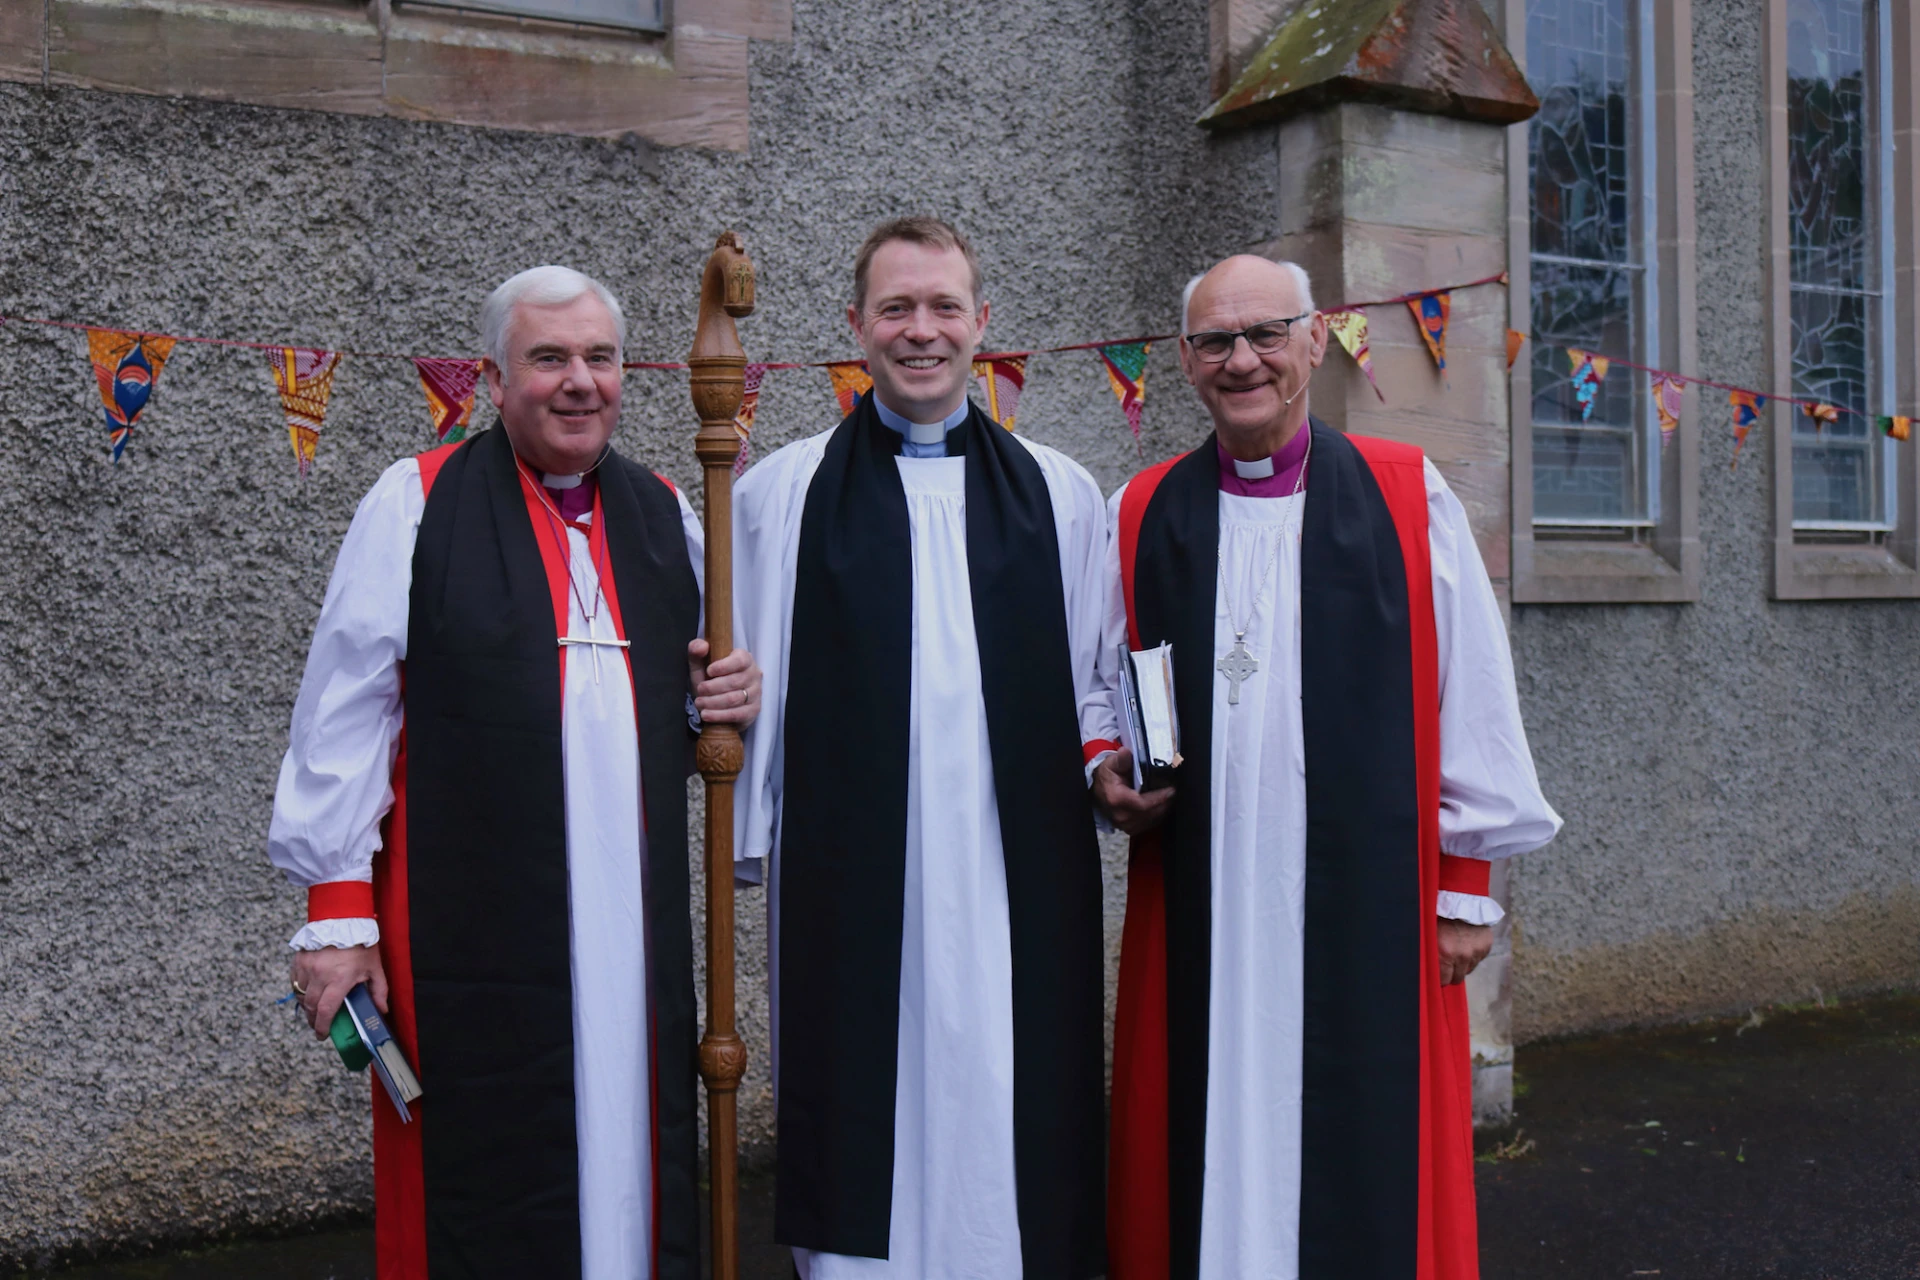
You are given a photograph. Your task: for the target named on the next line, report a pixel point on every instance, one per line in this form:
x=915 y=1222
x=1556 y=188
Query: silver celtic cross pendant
x=1236 y=664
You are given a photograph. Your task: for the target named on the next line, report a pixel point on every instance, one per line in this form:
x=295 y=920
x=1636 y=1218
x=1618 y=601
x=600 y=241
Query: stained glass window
x=1833 y=261
x=1588 y=273
x=634 y=15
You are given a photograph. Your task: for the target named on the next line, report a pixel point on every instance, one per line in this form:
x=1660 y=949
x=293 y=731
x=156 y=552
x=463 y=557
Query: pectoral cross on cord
x=588 y=611
x=1238 y=663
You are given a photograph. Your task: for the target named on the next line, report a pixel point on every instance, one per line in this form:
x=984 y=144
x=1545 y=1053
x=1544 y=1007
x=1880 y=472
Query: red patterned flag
x=1126 y=366
x=1746 y=406
x=449 y=385
x=743 y=420
x=305 y=380
x=1897 y=426
x=1351 y=328
x=1001 y=380
x=1823 y=415
x=1430 y=314
x=850 y=381
x=126 y=366
x=1668 y=395
x=1515 y=339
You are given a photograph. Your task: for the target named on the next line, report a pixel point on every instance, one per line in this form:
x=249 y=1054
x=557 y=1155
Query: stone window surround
x=1805 y=570
x=686 y=87
x=1666 y=568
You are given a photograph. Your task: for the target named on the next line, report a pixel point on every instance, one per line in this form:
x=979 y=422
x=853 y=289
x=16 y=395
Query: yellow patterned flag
x=1126 y=366
x=305 y=379
x=1431 y=311
x=850 y=381
x=1823 y=415
x=1001 y=379
x=1351 y=328
x=1896 y=426
x=1668 y=396
x=1589 y=371
x=126 y=366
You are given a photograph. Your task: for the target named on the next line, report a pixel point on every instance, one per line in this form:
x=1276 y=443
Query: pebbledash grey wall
x=1736 y=774
x=1732 y=772
x=154 y=616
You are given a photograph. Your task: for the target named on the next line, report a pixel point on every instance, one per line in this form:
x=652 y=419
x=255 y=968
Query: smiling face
x=919 y=325
x=559 y=397
x=1247 y=392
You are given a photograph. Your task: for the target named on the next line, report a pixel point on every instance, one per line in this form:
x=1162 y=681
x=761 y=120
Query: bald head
x=1248 y=277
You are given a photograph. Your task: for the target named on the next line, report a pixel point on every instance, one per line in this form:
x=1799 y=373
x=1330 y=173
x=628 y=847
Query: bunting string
x=126 y=366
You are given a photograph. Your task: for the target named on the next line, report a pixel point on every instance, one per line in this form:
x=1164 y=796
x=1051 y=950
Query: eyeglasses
x=1267 y=337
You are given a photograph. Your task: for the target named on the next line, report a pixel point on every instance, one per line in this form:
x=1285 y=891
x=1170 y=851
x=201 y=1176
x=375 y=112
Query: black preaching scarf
x=487 y=866
x=1359 y=1172
x=843 y=848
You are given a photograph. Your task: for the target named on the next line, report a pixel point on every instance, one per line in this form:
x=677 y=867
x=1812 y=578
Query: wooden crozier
x=719 y=376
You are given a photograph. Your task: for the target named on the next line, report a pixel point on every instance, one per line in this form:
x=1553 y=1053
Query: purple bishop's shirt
x=1272 y=477
x=574 y=501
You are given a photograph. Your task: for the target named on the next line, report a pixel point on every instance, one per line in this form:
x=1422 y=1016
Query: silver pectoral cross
x=1236 y=664
x=595 y=646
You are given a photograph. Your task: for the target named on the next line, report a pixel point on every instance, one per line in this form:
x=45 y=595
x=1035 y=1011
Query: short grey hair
x=547 y=286
x=1294 y=269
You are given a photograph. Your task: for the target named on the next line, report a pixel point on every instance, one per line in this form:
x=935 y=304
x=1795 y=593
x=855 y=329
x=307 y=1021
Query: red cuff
x=1088 y=750
x=1464 y=875
x=340 y=900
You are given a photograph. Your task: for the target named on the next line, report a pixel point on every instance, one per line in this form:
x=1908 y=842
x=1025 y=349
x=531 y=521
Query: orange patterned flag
x=1430 y=314
x=449 y=385
x=126 y=366
x=850 y=381
x=1001 y=380
x=1515 y=339
x=305 y=380
x=1897 y=426
x=1746 y=406
x=1668 y=396
x=1126 y=366
x=1351 y=328
x=1823 y=415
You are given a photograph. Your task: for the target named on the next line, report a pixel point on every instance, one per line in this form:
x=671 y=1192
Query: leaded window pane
x=1585 y=270
x=1832 y=258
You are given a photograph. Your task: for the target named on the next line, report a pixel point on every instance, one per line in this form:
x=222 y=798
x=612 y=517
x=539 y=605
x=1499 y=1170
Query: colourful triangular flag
x=1515 y=340
x=1589 y=371
x=1351 y=328
x=850 y=381
x=1001 y=380
x=749 y=404
x=1430 y=313
x=1668 y=395
x=1126 y=366
x=1823 y=414
x=1746 y=406
x=1897 y=426
x=305 y=380
x=125 y=367
x=449 y=385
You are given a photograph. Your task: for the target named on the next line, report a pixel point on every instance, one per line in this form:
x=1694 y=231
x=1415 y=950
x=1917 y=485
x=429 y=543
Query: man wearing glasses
x=1290 y=1083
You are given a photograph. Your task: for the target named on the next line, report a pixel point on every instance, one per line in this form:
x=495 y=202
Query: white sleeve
x=1490 y=801
x=767 y=505
x=1080 y=526
x=336 y=781
x=696 y=535
x=1113 y=624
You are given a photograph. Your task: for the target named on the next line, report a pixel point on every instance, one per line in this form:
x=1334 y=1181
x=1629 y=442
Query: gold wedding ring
x=299 y=990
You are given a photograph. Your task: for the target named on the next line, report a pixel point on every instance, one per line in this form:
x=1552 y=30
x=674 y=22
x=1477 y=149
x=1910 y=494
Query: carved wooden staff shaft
x=719 y=379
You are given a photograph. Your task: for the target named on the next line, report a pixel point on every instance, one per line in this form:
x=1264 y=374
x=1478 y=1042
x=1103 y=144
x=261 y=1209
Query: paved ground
x=1785 y=1145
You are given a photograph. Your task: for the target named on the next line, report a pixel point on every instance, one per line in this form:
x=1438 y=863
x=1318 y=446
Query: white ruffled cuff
x=1468 y=908
x=358 y=931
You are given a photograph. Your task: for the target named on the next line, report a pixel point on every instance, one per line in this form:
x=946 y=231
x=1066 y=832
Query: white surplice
x=336 y=785
x=954 y=1214
x=1490 y=807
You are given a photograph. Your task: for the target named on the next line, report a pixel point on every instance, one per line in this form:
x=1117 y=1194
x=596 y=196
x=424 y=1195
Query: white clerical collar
x=920 y=432
x=553 y=481
x=1258 y=469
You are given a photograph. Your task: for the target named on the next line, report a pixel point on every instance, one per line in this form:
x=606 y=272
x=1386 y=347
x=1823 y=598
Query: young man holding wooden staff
x=929 y=585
